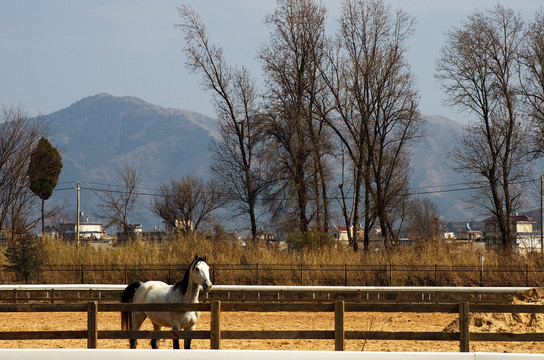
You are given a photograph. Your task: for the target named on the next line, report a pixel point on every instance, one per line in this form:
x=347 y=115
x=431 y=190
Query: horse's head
x=201 y=274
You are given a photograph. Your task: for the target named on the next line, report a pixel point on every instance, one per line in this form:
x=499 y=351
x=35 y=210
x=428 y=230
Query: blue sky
x=53 y=53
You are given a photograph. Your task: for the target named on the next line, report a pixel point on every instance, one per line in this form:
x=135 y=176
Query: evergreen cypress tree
x=43 y=172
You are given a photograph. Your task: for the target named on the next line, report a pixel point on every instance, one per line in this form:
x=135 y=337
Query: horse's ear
x=196 y=257
x=204 y=258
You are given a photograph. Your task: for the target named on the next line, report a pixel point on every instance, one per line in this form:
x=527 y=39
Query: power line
x=119 y=186
x=121 y=191
x=156 y=192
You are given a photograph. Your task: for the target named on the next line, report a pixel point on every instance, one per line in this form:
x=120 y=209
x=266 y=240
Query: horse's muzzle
x=207 y=286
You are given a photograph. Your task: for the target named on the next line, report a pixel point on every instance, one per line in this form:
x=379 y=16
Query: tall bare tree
x=296 y=109
x=117 y=205
x=188 y=202
x=421 y=220
x=532 y=67
x=376 y=116
x=478 y=71
x=18 y=136
x=236 y=163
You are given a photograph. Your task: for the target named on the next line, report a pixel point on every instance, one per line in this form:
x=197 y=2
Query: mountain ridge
x=98 y=133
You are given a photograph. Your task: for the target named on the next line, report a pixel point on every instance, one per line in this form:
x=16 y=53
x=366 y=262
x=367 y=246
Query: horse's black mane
x=184 y=283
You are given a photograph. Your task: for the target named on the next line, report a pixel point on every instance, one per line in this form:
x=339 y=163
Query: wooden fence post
x=215 y=325
x=464 y=330
x=92 y=324
x=339 y=326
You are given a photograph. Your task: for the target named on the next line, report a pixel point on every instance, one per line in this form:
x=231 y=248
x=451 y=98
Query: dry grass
x=218 y=251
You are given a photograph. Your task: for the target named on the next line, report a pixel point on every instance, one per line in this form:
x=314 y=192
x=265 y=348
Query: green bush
x=310 y=240
x=26 y=257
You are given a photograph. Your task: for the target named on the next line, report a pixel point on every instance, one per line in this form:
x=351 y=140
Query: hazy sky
x=55 y=52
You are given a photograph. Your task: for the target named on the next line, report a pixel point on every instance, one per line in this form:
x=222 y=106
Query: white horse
x=196 y=277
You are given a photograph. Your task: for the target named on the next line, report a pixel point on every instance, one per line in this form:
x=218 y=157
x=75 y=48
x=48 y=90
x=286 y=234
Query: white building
x=522 y=226
x=87 y=231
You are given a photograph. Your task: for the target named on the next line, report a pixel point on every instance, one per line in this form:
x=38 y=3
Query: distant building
x=472 y=235
x=181 y=225
x=453 y=227
x=136 y=229
x=339 y=233
x=87 y=231
x=525 y=239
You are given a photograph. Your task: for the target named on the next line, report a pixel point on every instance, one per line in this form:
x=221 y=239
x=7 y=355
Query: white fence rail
x=278 y=288
x=122 y=354
x=271 y=292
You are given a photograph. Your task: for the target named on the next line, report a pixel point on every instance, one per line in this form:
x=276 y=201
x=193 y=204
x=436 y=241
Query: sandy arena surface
x=285 y=321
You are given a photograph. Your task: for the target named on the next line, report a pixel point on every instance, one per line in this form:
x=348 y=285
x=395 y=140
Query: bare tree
x=421 y=220
x=117 y=205
x=478 y=71
x=18 y=136
x=532 y=67
x=236 y=163
x=188 y=202
x=376 y=116
x=296 y=109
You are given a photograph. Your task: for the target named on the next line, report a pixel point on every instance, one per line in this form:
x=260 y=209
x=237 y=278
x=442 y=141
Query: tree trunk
x=43 y=218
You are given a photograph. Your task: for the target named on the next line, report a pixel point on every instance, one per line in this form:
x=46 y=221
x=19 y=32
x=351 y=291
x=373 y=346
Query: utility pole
x=78 y=188
x=542 y=214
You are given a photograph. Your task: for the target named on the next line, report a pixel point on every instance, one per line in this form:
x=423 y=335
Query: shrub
x=26 y=257
x=310 y=240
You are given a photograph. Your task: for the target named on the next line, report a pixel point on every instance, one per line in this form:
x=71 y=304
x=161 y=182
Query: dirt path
x=263 y=321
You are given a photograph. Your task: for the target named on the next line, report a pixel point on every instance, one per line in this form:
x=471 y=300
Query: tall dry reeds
x=431 y=263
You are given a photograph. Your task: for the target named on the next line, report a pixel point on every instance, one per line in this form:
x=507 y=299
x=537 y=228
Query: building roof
x=331 y=228
x=515 y=218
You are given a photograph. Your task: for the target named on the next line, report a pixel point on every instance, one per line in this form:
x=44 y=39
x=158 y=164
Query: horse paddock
x=280 y=321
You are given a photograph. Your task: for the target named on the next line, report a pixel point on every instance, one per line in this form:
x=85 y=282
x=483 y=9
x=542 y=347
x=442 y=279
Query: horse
x=197 y=277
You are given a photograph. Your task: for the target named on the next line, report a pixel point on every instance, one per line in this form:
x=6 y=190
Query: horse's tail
x=127 y=297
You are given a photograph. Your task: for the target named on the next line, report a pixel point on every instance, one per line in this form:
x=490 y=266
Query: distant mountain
x=97 y=134
x=432 y=172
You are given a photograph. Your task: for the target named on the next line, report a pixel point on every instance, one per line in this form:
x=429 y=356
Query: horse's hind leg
x=137 y=320
x=155 y=342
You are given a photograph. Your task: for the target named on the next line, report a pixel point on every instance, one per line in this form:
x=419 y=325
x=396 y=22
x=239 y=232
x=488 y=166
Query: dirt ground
x=276 y=321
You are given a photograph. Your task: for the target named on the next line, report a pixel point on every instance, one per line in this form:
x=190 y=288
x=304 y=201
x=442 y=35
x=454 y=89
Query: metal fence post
x=390 y=274
x=213 y=273
x=257 y=269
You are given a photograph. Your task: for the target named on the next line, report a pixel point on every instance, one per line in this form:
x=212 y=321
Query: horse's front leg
x=187 y=342
x=175 y=342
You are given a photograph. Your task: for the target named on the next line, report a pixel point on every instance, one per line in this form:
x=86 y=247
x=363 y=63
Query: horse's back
x=152 y=292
